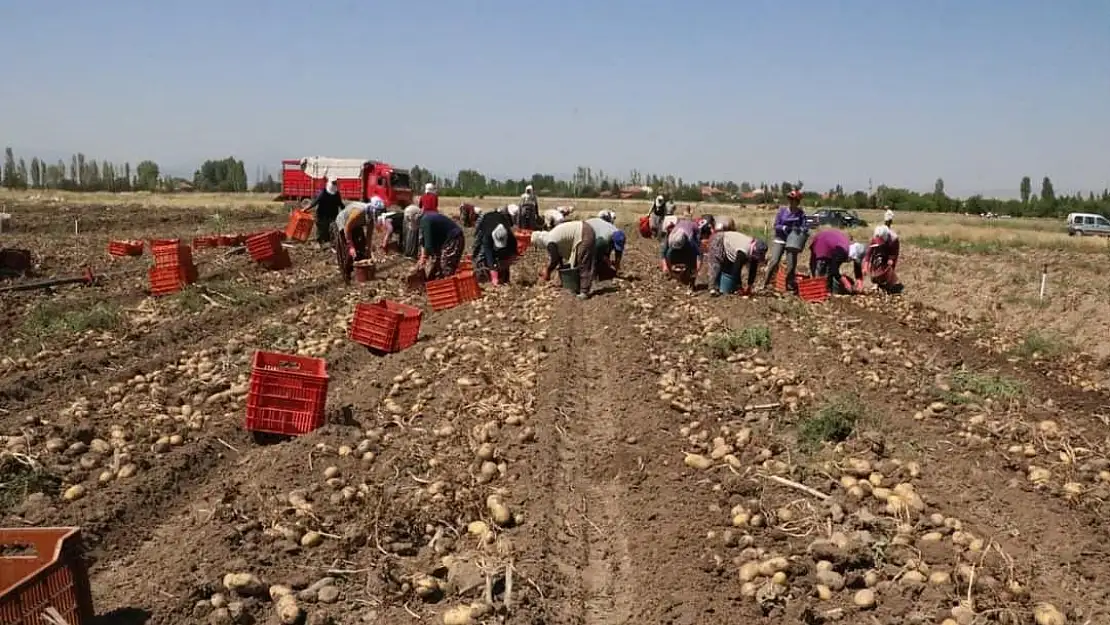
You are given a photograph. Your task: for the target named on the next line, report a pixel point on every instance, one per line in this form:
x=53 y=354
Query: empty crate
x=287 y=394
x=385 y=326
x=41 y=568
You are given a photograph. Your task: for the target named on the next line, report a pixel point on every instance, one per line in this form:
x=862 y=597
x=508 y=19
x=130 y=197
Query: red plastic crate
x=780 y=278
x=465 y=264
x=160 y=242
x=167 y=280
x=125 y=248
x=385 y=326
x=208 y=241
x=172 y=255
x=523 y=241
x=300 y=225
x=287 y=394
x=813 y=289
x=468 y=288
x=51 y=574
x=264 y=245
x=442 y=294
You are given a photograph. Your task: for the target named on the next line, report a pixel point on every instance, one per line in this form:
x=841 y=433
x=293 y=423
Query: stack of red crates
x=265 y=248
x=173 y=267
x=287 y=394
x=385 y=326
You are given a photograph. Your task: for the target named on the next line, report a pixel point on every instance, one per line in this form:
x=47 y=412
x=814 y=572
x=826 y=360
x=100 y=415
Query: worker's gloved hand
x=545 y=275
x=351 y=251
x=746 y=291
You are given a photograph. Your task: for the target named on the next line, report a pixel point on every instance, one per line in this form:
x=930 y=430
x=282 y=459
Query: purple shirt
x=828 y=242
x=787 y=220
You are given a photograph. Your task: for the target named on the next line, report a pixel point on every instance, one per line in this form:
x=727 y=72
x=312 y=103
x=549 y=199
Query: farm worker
x=352 y=241
x=729 y=251
x=706 y=225
x=682 y=246
x=572 y=243
x=442 y=242
x=856 y=252
x=790 y=219
x=881 y=259
x=656 y=214
x=607 y=215
x=529 y=210
x=829 y=250
x=429 y=202
x=565 y=210
x=410 y=237
x=608 y=246
x=888 y=218
x=553 y=217
x=327 y=205
x=391 y=224
x=514 y=213
x=466 y=214
x=494 y=244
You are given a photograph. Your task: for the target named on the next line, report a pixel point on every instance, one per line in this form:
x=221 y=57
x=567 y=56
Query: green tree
x=1048 y=194
x=938 y=188
x=1026 y=189
x=9 y=168
x=146 y=175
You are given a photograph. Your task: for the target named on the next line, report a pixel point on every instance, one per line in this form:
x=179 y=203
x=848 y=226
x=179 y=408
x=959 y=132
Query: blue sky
x=977 y=92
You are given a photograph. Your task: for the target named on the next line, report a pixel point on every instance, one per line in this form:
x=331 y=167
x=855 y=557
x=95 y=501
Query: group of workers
x=592 y=248
x=727 y=251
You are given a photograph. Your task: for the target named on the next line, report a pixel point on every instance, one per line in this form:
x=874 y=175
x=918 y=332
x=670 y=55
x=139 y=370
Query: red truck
x=358 y=179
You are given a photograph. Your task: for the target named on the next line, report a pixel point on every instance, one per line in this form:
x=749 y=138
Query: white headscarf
x=725 y=224
x=332 y=187
x=500 y=237
x=607 y=215
x=659 y=200
x=376 y=204
x=429 y=188
x=412 y=210
x=528 y=190
x=539 y=238
x=512 y=209
x=888 y=215
x=885 y=233
x=856 y=251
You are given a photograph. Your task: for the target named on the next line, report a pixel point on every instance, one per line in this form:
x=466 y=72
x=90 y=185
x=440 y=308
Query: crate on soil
x=300 y=225
x=813 y=289
x=168 y=280
x=125 y=248
x=208 y=241
x=264 y=245
x=287 y=394
x=172 y=255
x=385 y=325
x=42 y=568
x=442 y=294
x=780 y=278
x=468 y=288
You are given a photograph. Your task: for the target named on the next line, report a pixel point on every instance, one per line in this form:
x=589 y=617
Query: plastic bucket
x=796 y=240
x=569 y=279
x=364 y=273
x=727 y=283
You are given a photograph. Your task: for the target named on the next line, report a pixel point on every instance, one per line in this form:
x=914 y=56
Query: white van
x=1080 y=224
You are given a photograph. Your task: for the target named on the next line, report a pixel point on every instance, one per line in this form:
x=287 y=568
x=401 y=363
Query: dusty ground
x=654 y=457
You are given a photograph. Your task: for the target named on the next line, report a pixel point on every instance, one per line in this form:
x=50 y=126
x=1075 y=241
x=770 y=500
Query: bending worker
x=881 y=259
x=351 y=236
x=829 y=250
x=570 y=243
x=729 y=251
x=682 y=247
x=442 y=240
x=494 y=245
x=609 y=247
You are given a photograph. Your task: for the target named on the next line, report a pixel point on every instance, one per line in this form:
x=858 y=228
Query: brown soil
x=578 y=416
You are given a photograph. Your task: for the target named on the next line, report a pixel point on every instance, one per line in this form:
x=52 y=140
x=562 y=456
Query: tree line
x=229 y=175
x=85 y=174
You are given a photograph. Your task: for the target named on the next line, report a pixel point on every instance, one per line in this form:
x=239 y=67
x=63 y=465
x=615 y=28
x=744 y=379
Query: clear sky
x=978 y=92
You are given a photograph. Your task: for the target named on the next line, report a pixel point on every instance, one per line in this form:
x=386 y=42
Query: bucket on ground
x=727 y=283
x=364 y=271
x=570 y=279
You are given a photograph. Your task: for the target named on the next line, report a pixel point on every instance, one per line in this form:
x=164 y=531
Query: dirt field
x=643 y=456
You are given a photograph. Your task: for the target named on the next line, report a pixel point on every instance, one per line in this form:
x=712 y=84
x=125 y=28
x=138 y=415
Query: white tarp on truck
x=323 y=167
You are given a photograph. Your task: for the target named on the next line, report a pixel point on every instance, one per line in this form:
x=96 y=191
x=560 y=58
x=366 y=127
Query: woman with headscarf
x=791 y=231
x=881 y=259
x=442 y=242
x=392 y=224
x=729 y=252
x=607 y=215
x=888 y=217
x=410 y=237
x=351 y=234
x=830 y=249
x=656 y=214
x=467 y=215
x=553 y=217
x=429 y=202
x=494 y=246
x=571 y=243
x=608 y=246
x=514 y=213
x=682 y=247
x=529 y=218
x=327 y=206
